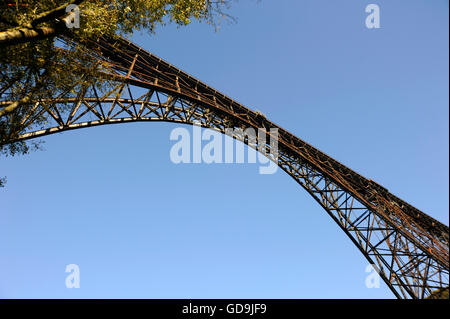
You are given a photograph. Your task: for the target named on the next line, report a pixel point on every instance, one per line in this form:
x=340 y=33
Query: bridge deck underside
x=408 y=248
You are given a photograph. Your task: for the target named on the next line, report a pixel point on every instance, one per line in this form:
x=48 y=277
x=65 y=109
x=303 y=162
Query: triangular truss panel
x=407 y=247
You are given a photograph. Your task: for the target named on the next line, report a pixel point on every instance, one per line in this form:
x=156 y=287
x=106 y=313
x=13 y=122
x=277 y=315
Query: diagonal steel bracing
x=408 y=248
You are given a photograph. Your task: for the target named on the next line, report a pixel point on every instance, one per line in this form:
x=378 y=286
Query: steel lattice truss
x=408 y=248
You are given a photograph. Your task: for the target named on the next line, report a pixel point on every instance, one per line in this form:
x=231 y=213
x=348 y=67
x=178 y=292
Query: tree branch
x=20 y=35
x=14 y=105
x=11 y=107
x=31 y=32
x=53 y=13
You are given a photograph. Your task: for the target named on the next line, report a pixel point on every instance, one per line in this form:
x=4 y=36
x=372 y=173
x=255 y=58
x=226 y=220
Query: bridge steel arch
x=408 y=248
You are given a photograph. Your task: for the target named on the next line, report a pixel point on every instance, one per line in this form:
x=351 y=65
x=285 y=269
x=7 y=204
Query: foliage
x=40 y=67
x=441 y=293
x=36 y=65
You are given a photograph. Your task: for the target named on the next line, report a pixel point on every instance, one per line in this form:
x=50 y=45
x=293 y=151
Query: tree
x=35 y=62
x=28 y=20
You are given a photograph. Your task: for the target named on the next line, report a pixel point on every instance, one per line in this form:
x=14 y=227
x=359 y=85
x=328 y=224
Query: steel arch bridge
x=408 y=248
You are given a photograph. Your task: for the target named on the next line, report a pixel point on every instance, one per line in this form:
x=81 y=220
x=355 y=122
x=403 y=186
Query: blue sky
x=110 y=200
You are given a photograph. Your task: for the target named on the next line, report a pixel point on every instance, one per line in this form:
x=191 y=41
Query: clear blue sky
x=110 y=200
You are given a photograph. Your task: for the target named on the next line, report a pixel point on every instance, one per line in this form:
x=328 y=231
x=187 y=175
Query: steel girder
x=408 y=248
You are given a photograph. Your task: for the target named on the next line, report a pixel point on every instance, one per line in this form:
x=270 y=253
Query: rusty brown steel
x=407 y=247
